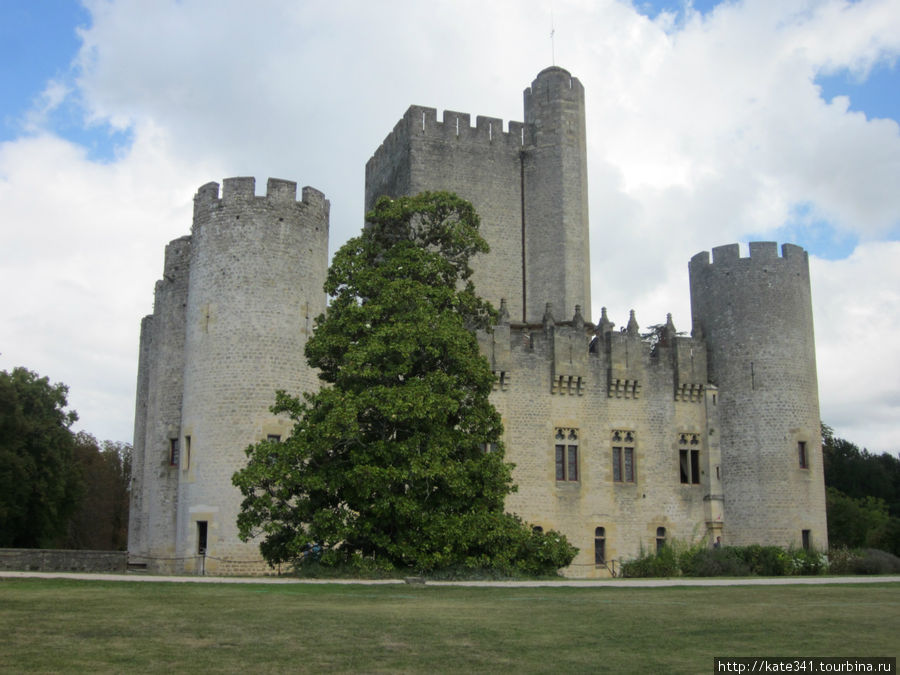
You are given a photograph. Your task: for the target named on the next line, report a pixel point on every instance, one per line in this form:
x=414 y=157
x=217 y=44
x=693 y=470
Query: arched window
x=600 y=546
x=660 y=539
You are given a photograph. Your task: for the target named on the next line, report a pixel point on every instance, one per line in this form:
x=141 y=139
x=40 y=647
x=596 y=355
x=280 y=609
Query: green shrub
x=873 y=561
x=765 y=561
x=807 y=561
x=842 y=559
x=715 y=562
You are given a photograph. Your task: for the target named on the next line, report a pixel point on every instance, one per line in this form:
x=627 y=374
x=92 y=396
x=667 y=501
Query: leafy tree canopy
x=39 y=486
x=387 y=463
x=862 y=496
x=100 y=521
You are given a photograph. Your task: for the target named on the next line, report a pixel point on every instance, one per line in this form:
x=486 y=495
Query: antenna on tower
x=552 y=41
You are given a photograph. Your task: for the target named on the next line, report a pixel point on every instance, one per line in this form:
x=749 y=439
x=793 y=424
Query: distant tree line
x=58 y=489
x=862 y=495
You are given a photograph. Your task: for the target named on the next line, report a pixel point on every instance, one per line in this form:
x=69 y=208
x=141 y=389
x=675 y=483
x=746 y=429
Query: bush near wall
x=699 y=560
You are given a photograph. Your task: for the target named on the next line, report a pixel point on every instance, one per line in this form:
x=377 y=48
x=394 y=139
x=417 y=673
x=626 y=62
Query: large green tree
x=397 y=461
x=39 y=484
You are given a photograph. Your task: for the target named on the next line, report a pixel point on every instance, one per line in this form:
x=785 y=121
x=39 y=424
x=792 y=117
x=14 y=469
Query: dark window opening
x=201 y=537
x=660 y=539
x=801 y=452
x=600 y=546
x=274 y=438
x=805 y=537
x=173 y=452
x=689 y=466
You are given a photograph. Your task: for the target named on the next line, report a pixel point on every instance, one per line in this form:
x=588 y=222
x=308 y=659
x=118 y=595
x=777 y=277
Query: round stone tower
x=555 y=196
x=756 y=316
x=257 y=269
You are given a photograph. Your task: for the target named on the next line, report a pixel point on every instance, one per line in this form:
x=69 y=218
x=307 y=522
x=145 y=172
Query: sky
x=708 y=123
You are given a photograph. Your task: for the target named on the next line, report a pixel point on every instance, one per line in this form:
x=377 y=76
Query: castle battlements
x=760 y=251
x=579 y=356
x=241 y=191
x=422 y=123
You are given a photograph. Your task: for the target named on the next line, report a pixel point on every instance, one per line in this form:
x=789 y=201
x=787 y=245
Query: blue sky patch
x=653 y=8
x=876 y=96
x=819 y=237
x=38 y=42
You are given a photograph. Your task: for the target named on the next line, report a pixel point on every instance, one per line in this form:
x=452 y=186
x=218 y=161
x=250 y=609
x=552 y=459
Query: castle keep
x=621 y=441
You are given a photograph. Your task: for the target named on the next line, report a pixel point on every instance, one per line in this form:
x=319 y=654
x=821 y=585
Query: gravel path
x=567 y=583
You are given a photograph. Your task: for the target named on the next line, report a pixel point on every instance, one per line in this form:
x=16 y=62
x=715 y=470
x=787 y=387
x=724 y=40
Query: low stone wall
x=56 y=560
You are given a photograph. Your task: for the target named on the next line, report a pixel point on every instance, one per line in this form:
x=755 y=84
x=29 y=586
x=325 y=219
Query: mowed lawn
x=92 y=626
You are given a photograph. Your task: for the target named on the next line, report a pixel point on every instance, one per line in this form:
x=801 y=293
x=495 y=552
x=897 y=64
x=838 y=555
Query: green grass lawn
x=91 y=626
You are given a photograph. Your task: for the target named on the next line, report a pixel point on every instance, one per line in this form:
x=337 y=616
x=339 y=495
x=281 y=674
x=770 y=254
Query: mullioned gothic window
x=566 y=447
x=689 y=458
x=623 y=461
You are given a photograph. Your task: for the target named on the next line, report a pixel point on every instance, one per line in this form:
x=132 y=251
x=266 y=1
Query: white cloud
x=700 y=132
x=857 y=315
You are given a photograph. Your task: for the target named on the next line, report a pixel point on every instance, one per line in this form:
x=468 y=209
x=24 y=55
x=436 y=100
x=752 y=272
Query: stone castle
x=623 y=442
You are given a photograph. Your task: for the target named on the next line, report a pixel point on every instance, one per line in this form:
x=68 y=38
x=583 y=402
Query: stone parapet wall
x=61 y=560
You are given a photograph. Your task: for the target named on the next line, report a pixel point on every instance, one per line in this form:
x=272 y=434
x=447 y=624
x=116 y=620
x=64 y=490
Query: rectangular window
x=624 y=469
x=689 y=466
x=629 y=465
x=173 y=452
x=801 y=452
x=201 y=537
x=617 y=465
x=572 y=464
x=689 y=458
x=566 y=449
x=805 y=539
x=600 y=546
x=273 y=438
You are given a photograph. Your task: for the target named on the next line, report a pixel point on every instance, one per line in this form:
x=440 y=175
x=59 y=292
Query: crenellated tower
x=527 y=183
x=233 y=312
x=756 y=316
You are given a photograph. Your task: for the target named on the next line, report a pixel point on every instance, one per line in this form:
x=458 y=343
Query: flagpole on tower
x=552 y=41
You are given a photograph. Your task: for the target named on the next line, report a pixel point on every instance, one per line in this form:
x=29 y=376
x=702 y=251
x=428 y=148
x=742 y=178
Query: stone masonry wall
x=560 y=376
x=156 y=477
x=60 y=560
